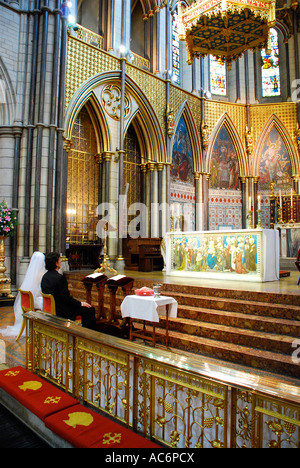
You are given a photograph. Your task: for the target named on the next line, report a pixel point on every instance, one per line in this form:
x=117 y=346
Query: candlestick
x=259 y=225
x=250 y=225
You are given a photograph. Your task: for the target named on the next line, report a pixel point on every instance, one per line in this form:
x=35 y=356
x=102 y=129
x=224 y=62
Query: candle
x=291 y=197
x=250 y=204
x=280 y=199
x=259 y=202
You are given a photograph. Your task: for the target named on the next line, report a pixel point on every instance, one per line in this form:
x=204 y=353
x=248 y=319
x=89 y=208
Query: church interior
x=155 y=145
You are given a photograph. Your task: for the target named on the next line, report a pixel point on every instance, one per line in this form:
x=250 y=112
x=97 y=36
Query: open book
x=94 y=277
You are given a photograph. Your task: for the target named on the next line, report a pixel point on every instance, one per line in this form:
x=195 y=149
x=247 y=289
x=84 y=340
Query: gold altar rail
x=182 y=401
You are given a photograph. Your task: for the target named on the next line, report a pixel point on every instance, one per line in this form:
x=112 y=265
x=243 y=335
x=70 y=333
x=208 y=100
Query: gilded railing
x=88 y=36
x=94 y=39
x=178 y=400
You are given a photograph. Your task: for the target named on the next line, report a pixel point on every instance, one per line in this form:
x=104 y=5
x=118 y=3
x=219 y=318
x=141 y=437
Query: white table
x=148 y=309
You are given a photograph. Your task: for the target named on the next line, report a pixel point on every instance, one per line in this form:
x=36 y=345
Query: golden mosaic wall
x=86 y=61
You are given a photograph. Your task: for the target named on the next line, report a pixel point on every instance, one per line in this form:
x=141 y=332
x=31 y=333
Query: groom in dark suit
x=66 y=306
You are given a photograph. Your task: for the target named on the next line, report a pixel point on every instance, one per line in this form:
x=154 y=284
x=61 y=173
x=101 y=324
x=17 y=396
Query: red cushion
x=84 y=428
x=38 y=396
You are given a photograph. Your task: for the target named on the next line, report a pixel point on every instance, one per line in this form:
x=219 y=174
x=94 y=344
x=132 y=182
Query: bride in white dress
x=32 y=282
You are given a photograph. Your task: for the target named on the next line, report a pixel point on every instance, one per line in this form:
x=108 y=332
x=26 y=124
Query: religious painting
x=224 y=164
x=275 y=165
x=234 y=253
x=182 y=157
x=182 y=190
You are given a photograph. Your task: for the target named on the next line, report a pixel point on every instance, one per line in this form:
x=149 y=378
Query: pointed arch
x=149 y=124
x=186 y=113
x=150 y=128
x=226 y=122
x=7 y=97
x=275 y=122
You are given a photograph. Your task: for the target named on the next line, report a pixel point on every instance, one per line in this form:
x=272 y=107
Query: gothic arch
x=150 y=132
x=153 y=135
x=225 y=121
x=85 y=96
x=275 y=122
x=192 y=130
x=7 y=97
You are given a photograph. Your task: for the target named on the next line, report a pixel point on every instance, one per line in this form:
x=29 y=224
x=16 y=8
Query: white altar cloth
x=148 y=307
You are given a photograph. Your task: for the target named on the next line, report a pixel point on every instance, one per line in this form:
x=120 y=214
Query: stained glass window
x=175 y=49
x=270 y=68
x=217 y=76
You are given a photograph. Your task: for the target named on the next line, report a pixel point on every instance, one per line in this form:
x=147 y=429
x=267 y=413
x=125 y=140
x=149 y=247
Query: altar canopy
x=244 y=255
x=226 y=28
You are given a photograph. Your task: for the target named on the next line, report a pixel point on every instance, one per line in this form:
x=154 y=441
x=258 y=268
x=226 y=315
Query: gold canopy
x=226 y=28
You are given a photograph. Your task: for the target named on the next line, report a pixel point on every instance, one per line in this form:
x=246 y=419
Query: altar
x=289 y=239
x=243 y=255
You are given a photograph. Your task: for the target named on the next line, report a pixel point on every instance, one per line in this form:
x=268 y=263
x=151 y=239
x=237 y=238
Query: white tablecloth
x=148 y=307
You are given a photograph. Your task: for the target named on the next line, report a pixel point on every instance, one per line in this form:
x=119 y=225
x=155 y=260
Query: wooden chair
x=48 y=304
x=27 y=304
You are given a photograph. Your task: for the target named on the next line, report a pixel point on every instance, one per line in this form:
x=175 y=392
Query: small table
x=148 y=308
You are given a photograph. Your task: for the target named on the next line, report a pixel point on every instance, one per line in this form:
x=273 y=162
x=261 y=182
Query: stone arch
x=7 y=97
x=226 y=164
x=150 y=133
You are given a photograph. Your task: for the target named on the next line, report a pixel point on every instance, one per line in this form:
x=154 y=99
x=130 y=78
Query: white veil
x=32 y=282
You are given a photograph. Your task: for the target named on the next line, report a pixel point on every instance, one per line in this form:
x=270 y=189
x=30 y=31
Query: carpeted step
x=252 y=338
x=239 y=319
x=234 y=353
x=238 y=305
x=257 y=322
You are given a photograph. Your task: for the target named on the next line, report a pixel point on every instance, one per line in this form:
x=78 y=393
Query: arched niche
x=185 y=161
x=226 y=165
x=275 y=163
x=7 y=97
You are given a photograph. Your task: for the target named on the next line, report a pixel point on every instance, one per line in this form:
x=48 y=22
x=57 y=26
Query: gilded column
x=244 y=202
x=255 y=192
x=197 y=201
x=144 y=229
x=106 y=158
x=206 y=200
x=153 y=191
x=160 y=168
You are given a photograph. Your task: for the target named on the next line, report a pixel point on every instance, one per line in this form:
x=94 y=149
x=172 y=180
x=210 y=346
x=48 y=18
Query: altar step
x=273 y=362
x=250 y=328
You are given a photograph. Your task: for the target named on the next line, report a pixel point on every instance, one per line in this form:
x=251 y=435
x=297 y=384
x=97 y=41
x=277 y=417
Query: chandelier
x=225 y=28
